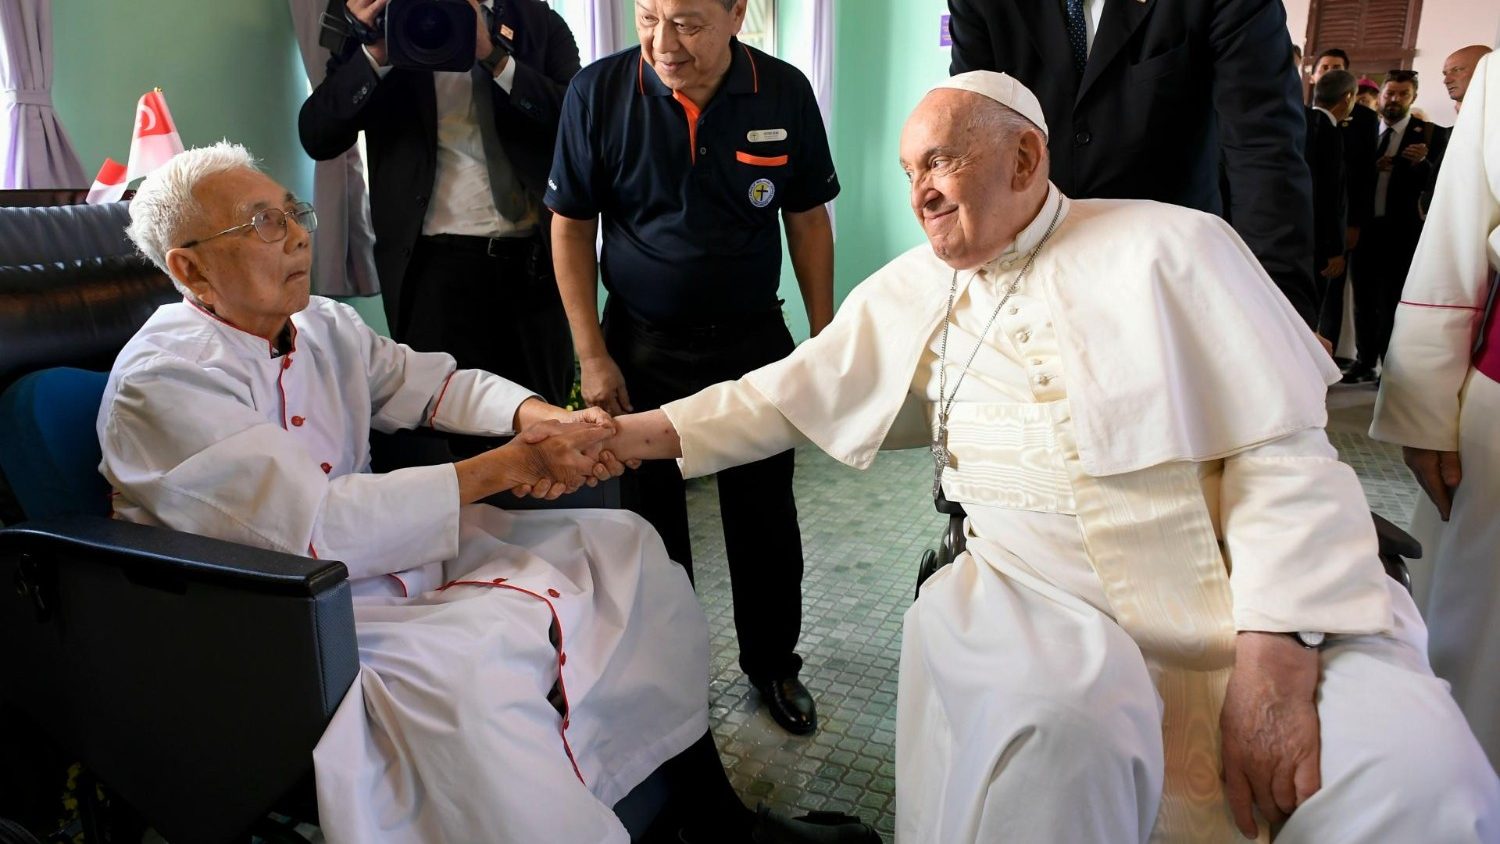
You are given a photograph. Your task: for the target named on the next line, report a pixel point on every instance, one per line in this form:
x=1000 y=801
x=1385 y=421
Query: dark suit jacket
x=1169 y=85
x=399 y=117
x=1324 y=152
x=1410 y=182
x=1360 y=129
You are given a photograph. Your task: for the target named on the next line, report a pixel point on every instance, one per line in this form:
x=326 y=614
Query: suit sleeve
x=971 y=45
x=537 y=92
x=333 y=115
x=1261 y=128
x=1360 y=142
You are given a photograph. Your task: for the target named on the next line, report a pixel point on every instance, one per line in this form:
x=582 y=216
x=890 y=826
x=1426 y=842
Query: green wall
x=886 y=56
x=228 y=69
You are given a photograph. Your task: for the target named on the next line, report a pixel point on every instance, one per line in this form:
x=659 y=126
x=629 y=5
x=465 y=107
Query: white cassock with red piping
x=520 y=671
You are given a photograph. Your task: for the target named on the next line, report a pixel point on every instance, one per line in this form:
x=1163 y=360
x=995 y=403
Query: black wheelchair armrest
x=1395 y=542
x=190 y=675
x=160 y=556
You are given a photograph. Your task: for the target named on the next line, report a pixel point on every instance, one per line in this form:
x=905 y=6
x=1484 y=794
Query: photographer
x=458 y=163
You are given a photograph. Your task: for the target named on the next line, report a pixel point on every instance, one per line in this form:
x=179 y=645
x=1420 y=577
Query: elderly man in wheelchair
x=1169 y=623
x=519 y=672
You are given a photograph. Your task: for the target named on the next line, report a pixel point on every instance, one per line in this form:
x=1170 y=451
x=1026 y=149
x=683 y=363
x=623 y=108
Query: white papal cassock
x=466 y=616
x=1436 y=395
x=1139 y=447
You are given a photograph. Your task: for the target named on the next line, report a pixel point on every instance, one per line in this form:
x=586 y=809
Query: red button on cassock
x=286 y=363
x=327 y=467
x=554 y=593
x=562 y=659
x=297 y=421
x=497 y=581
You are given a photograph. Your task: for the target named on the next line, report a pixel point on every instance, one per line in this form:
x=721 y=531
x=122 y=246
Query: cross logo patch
x=762 y=192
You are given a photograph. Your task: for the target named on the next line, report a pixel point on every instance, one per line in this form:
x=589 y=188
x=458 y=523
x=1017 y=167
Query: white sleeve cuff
x=380 y=70
x=507 y=76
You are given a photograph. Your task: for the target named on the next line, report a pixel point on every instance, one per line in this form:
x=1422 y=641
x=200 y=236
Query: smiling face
x=687 y=42
x=253 y=284
x=976 y=179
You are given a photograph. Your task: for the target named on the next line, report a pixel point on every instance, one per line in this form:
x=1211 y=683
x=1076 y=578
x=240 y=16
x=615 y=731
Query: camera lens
x=429 y=29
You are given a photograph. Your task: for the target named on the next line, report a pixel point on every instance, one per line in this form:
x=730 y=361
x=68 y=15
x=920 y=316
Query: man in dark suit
x=1359 y=129
x=1409 y=152
x=1333 y=96
x=1144 y=97
x=458 y=164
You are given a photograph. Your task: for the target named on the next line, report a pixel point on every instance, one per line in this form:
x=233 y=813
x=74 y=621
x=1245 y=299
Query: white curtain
x=603 y=22
x=34 y=150
x=810 y=49
x=343 y=246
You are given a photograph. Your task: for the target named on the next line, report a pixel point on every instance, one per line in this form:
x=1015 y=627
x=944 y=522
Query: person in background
x=1333 y=97
x=694 y=151
x=1440 y=401
x=1409 y=152
x=1146 y=100
x=1369 y=93
x=1359 y=130
x=458 y=163
x=1458 y=70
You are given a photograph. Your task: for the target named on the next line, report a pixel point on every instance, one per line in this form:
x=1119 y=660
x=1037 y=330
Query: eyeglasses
x=270 y=224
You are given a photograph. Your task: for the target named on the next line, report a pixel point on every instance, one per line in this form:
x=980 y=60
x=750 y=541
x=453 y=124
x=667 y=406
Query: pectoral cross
x=941 y=459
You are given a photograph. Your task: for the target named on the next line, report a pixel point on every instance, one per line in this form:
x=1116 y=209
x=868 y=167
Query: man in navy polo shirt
x=691 y=149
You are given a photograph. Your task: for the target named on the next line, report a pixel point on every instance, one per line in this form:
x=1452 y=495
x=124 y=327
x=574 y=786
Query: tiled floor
x=863 y=533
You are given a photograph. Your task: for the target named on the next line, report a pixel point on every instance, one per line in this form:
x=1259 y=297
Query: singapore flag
x=155 y=140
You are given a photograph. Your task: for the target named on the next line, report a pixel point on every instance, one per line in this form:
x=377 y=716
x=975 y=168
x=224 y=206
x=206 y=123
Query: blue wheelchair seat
x=50 y=454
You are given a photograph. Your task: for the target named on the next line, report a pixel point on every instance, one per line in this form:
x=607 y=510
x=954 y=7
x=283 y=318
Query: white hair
x=164 y=204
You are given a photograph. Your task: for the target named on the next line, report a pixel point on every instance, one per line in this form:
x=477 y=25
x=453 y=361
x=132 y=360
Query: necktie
x=1077 y=35
x=505 y=189
x=1385 y=139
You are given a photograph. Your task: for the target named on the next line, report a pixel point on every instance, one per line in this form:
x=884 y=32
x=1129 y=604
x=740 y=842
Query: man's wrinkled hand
x=1270 y=729
x=1334 y=268
x=1384 y=163
x=1438 y=473
x=603 y=385
x=366 y=11
x=557 y=457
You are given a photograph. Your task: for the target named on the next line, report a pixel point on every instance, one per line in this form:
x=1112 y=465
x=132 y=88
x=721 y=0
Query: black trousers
x=761 y=536
x=492 y=305
x=1381 y=262
x=1331 y=308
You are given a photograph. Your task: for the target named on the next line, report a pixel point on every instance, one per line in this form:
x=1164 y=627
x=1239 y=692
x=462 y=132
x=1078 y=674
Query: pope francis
x=1170 y=623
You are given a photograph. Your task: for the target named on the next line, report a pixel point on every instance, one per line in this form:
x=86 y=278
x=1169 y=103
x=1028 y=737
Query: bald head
x=1458 y=69
x=978 y=173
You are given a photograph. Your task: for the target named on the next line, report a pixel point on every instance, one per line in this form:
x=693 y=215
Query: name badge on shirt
x=761 y=136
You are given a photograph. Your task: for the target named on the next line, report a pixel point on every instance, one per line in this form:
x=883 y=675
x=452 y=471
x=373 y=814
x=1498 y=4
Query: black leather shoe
x=813 y=828
x=791 y=704
x=1358 y=374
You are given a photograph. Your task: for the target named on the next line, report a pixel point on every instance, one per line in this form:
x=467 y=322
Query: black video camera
x=422 y=34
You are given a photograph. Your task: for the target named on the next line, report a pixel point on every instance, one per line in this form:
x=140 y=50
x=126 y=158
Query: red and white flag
x=155 y=140
x=109 y=185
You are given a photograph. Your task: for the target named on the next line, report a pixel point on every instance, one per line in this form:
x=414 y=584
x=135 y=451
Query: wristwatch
x=1309 y=639
x=493 y=60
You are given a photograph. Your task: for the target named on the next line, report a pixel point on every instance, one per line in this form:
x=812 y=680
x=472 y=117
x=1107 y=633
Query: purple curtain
x=34 y=150
x=343 y=245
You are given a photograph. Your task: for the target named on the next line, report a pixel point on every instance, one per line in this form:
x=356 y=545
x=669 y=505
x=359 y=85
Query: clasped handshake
x=557 y=451
x=557 y=456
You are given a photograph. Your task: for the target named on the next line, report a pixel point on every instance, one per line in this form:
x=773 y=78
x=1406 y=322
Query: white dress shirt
x=461 y=200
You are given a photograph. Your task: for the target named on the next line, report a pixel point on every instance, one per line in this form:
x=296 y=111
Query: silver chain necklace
x=941 y=457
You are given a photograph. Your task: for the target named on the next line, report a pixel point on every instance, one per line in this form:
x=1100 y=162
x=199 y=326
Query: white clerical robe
x=1062 y=680
x=468 y=617
x=1433 y=396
